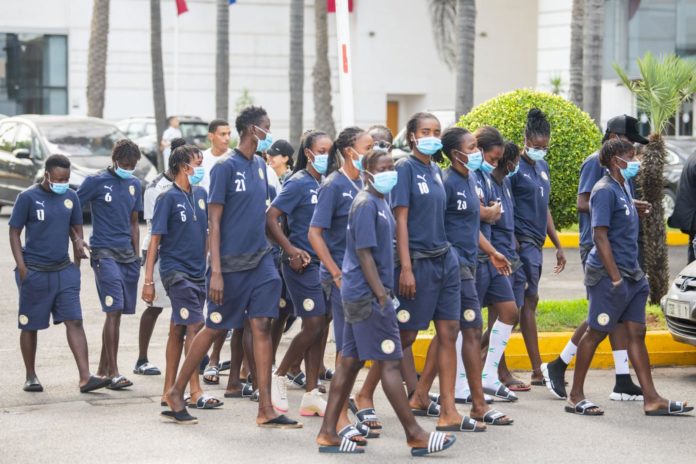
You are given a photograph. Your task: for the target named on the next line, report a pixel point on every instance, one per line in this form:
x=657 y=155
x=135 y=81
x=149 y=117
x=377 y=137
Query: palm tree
x=96 y=59
x=576 y=29
x=158 y=95
x=222 y=60
x=466 y=36
x=592 y=47
x=443 y=20
x=296 y=70
x=663 y=86
x=323 y=110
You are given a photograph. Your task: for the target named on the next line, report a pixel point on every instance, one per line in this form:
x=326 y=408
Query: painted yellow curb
x=664 y=351
x=572 y=239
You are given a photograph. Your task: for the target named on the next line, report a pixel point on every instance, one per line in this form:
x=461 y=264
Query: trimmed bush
x=574 y=136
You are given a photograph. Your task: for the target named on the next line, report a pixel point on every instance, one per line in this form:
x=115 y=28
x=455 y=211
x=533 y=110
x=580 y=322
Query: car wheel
x=668 y=201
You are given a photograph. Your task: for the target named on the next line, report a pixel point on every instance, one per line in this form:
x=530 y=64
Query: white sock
x=500 y=334
x=621 y=362
x=461 y=386
x=569 y=352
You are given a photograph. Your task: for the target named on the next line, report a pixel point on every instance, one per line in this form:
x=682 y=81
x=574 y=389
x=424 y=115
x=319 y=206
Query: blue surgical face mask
x=475 y=160
x=58 y=189
x=320 y=163
x=385 y=181
x=514 y=171
x=428 y=145
x=537 y=154
x=358 y=162
x=198 y=174
x=487 y=167
x=123 y=173
x=265 y=144
x=631 y=169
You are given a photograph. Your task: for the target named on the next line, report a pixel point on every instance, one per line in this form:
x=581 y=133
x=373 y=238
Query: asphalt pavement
x=62 y=425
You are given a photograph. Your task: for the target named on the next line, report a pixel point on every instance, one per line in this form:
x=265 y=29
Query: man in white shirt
x=219 y=133
x=172 y=132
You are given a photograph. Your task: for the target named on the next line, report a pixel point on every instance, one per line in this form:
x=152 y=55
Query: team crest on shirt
x=201 y=203
x=216 y=317
x=68 y=203
x=184 y=313
x=544 y=176
x=479 y=192
x=469 y=315
x=24 y=320
x=403 y=316
x=603 y=319
x=131 y=190
x=261 y=173
x=308 y=304
x=314 y=193
x=388 y=346
x=282 y=303
x=109 y=301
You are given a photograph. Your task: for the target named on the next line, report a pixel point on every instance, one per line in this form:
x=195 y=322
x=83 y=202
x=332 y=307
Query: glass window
x=23 y=137
x=7 y=135
x=81 y=138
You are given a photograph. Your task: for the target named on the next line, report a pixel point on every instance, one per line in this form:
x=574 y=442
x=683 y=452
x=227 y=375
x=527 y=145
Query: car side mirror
x=22 y=153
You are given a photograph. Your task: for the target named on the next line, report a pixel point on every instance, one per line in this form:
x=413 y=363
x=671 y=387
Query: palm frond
x=443 y=15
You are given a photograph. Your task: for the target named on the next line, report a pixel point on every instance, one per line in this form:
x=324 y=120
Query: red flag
x=181 y=7
x=331 y=6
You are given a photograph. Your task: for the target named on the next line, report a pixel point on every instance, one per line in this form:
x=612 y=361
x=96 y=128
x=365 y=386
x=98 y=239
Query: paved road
x=61 y=425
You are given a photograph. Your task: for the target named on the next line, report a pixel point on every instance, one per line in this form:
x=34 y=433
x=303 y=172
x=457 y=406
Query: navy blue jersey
x=46 y=219
x=483 y=190
x=463 y=215
x=113 y=200
x=503 y=231
x=297 y=200
x=336 y=195
x=239 y=184
x=182 y=221
x=611 y=205
x=370 y=225
x=531 y=187
x=420 y=189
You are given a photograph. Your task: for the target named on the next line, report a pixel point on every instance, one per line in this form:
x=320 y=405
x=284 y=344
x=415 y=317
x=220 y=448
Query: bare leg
x=586 y=350
x=77 y=341
x=529 y=333
x=309 y=336
x=217 y=347
x=147 y=326
x=408 y=369
x=175 y=344
x=277 y=332
x=262 y=356
x=195 y=381
x=111 y=339
x=248 y=344
x=420 y=398
x=237 y=354
x=638 y=353
x=27 y=344
x=341 y=385
x=447 y=370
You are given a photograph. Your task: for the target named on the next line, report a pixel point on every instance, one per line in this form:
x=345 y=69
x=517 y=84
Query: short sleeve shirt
x=483 y=190
x=611 y=205
x=181 y=219
x=210 y=160
x=46 y=218
x=370 y=226
x=531 y=187
x=503 y=231
x=420 y=189
x=463 y=215
x=113 y=200
x=336 y=195
x=297 y=200
x=590 y=173
x=160 y=184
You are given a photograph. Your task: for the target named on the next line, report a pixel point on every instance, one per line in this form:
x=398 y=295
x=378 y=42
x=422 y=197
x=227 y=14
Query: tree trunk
x=592 y=47
x=96 y=60
x=323 y=109
x=576 y=40
x=222 y=61
x=296 y=70
x=655 y=255
x=158 y=95
x=466 y=36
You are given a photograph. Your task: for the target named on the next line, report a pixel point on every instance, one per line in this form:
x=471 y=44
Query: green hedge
x=574 y=136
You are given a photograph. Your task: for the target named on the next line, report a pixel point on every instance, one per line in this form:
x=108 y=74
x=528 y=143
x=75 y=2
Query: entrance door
x=393 y=117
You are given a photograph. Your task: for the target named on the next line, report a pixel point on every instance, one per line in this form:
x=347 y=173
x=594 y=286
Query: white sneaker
x=279 y=393
x=313 y=404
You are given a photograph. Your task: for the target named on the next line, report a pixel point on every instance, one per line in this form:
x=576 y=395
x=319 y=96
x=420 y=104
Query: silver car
x=679 y=306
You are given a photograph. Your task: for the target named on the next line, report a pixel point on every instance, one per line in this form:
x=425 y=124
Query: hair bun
x=536 y=113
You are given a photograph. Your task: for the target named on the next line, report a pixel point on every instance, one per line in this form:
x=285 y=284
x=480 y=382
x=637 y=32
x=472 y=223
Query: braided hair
x=345 y=139
x=306 y=142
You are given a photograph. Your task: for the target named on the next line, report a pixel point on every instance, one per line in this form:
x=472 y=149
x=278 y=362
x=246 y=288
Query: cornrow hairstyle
x=125 y=150
x=180 y=157
x=248 y=117
x=177 y=142
x=381 y=132
x=452 y=139
x=56 y=161
x=488 y=137
x=537 y=124
x=345 y=139
x=306 y=142
x=613 y=148
x=371 y=158
x=510 y=153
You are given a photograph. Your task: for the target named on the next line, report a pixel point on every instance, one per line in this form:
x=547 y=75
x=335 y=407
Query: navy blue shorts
x=43 y=295
x=471 y=306
x=285 y=305
x=305 y=290
x=375 y=338
x=528 y=275
x=247 y=294
x=609 y=305
x=437 y=292
x=188 y=300
x=335 y=304
x=491 y=286
x=117 y=284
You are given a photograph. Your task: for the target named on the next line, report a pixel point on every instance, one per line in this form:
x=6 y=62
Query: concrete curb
x=572 y=239
x=664 y=351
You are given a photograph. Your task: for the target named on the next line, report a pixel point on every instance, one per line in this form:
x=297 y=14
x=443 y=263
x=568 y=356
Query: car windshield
x=193 y=130
x=81 y=138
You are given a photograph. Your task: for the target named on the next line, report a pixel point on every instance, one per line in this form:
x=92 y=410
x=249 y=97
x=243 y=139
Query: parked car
x=679 y=306
x=26 y=141
x=678 y=150
x=400 y=144
x=142 y=131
